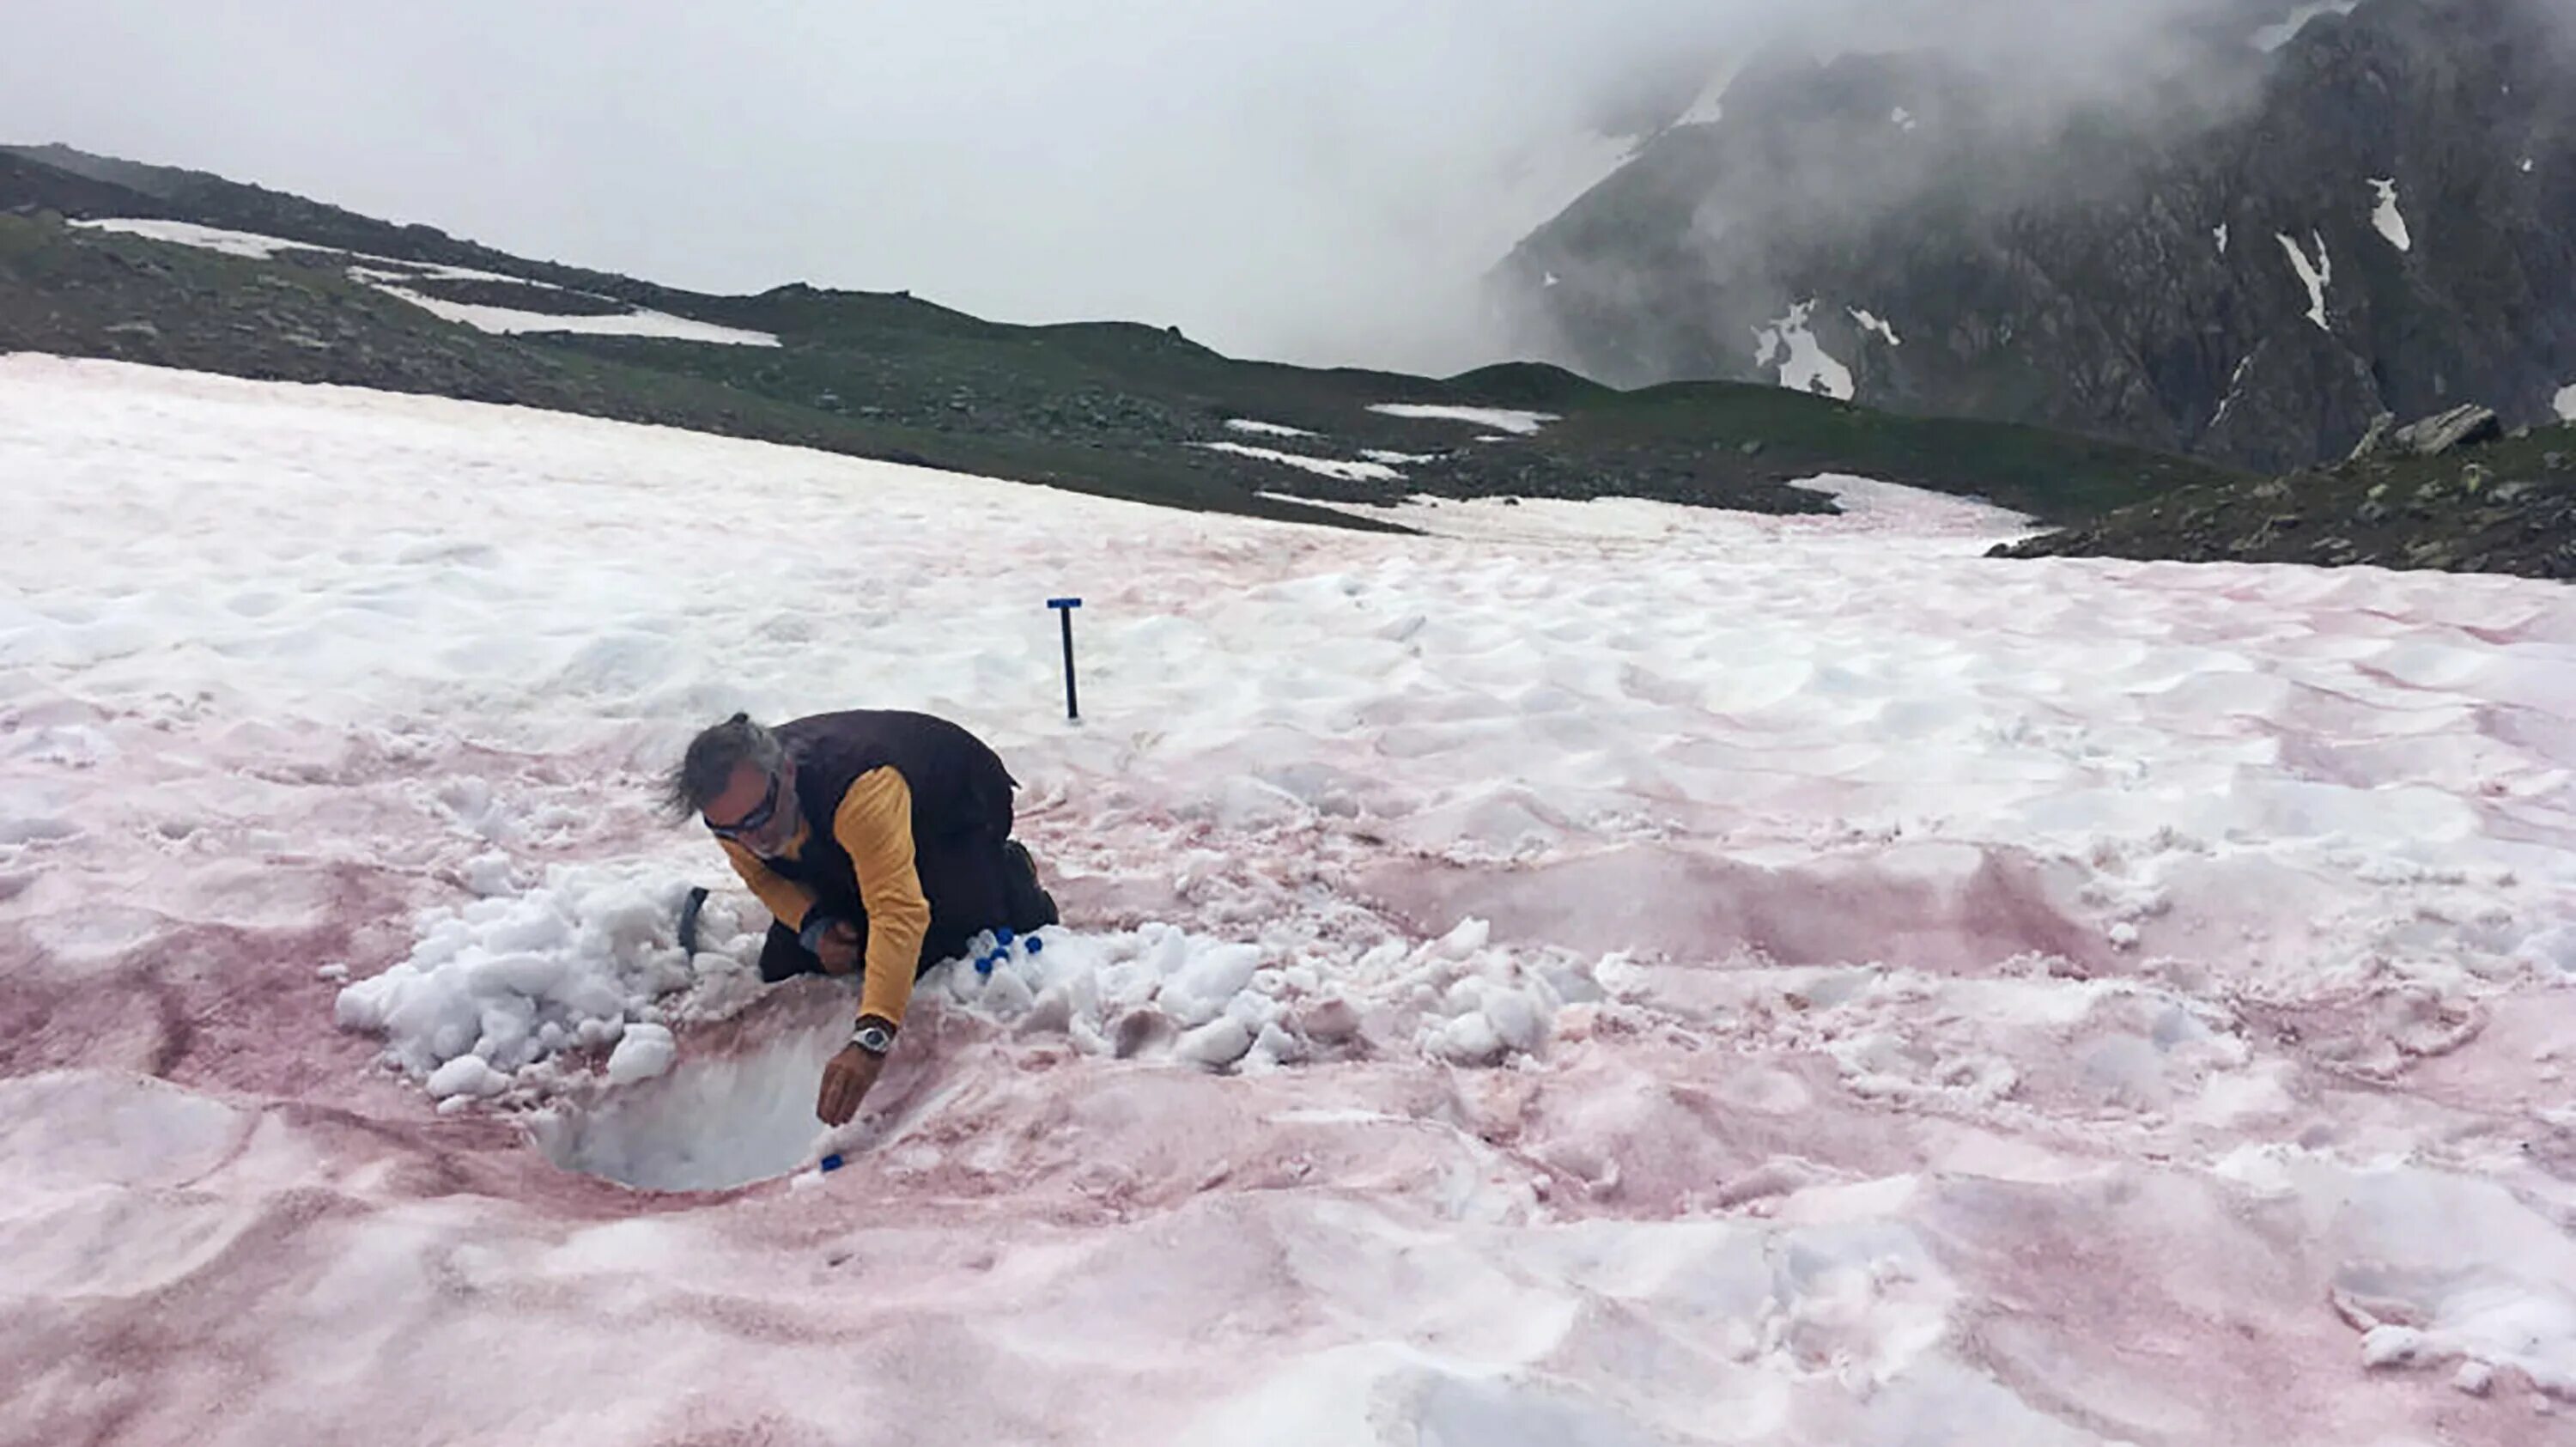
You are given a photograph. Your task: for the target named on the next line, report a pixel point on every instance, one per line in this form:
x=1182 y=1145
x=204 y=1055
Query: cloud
x=1320 y=180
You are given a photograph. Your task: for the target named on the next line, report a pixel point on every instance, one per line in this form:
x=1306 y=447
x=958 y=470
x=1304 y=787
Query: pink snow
x=1600 y=973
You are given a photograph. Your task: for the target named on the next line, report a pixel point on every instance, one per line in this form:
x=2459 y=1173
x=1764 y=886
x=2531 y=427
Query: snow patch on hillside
x=2388 y=218
x=1804 y=364
x=2316 y=275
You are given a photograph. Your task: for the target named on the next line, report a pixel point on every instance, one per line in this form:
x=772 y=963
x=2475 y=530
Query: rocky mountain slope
x=2375 y=215
x=2451 y=492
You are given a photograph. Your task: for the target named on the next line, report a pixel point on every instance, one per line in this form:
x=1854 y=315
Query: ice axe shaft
x=1064 y=616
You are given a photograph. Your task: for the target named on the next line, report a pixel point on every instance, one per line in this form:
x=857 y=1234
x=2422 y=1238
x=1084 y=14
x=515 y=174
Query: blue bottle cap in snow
x=985 y=965
x=831 y=1162
x=1003 y=936
x=1035 y=944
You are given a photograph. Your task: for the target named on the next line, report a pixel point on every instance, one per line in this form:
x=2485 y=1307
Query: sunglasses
x=753 y=822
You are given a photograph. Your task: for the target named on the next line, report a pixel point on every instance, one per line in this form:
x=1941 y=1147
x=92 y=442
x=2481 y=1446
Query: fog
x=1322 y=181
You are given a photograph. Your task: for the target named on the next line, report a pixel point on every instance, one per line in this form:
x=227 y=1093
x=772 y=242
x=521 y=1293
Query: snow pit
x=710 y=1121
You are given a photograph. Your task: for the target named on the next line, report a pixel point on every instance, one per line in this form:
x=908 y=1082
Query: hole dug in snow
x=718 y=1118
x=736 y=1103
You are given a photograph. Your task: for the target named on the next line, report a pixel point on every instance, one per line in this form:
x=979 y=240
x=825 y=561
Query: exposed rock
x=2449 y=431
x=2376 y=438
x=2504 y=513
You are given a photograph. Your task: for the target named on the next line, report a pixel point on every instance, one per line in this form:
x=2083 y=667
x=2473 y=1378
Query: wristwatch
x=873 y=1036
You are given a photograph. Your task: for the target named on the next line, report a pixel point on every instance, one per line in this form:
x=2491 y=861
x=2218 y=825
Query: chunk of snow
x=2566 y=403
x=491 y=874
x=2390 y=221
x=1322 y=466
x=466 y=1075
x=1902 y=118
x=1464 y=939
x=1469 y=1039
x=1877 y=324
x=1203 y=987
x=2220 y=232
x=2392 y=1346
x=2317 y=275
x=1516 y=1018
x=2527 y=165
x=1217 y=1044
x=1398 y=459
x=1127 y=992
x=1498 y=418
x=1805 y=365
x=1266 y=429
x=580 y=953
x=643 y=1052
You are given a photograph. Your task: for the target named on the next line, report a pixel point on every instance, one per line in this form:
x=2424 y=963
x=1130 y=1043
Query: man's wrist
x=873 y=1034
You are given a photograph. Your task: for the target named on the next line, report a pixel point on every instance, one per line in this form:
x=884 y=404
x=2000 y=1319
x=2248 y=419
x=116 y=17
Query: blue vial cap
x=832 y=1162
x=1003 y=936
x=1035 y=944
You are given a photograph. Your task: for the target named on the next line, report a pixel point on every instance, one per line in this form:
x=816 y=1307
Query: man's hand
x=839 y=948
x=846 y=1082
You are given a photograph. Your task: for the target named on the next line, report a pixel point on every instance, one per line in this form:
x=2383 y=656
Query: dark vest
x=958 y=786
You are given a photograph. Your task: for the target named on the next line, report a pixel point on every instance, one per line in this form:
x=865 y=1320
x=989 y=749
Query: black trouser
x=974 y=881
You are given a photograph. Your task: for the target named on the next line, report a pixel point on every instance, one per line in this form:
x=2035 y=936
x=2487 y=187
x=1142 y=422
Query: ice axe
x=1064 y=614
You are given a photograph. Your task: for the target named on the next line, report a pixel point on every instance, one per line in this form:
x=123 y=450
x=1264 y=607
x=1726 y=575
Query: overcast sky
x=1317 y=180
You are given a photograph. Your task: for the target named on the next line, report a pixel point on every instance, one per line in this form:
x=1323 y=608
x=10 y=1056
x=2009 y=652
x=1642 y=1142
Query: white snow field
x=1603 y=974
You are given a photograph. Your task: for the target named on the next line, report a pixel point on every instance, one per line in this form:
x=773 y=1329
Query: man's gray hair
x=713 y=755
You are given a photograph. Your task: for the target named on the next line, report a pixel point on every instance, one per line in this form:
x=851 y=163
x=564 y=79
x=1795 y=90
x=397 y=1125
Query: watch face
x=874 y=1038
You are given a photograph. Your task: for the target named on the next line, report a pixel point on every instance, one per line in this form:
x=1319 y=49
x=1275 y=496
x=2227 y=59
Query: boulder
x=2450 y=431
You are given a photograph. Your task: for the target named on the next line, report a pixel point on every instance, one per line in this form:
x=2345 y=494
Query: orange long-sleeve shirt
x=874 y=823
